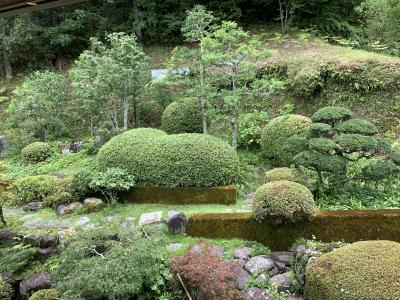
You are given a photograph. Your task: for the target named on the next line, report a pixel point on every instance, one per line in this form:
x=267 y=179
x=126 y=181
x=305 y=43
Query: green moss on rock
x=277 y=132
x=364 y=270
x=182 y=117
x=48 y=294
x=283 y=201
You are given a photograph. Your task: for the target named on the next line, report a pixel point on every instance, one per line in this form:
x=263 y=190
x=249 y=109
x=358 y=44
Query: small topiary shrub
x=48 y=294
x=283 y=202
x=283 y=173
x=332 y=115
x=363 y=270
x=36 y=152
x=317 y=130
x=182 y=117
x=322 y=145
x=157 y=159
x=6 y=292
x=357 y=126
x=277 y=132
x=49 y=189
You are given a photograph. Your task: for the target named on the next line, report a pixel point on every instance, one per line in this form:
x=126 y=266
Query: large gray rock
x=41 y=241
x=33 y=206
x=44 y=254
x=42 y=223
x=283 y=257
x=242 y=278
x=93 y=204
x=129 y=223
x=217 y=250
x=283 y=282
x=64 y=209
x=8 y=235
x=242 y=253
x=177 y=224
x=35 y=283
x=259 y=264
x=255 y=293
x=150 y=218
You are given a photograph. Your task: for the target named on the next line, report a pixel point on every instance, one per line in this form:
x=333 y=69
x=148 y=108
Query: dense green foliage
x=6 y=291
x=49 y=189
x=36 y=152
x=182 y=117
x=48 y=294
x=276 y=133
x=283 y=173
x=282 y=202
x=363 y=270
x=155 y=158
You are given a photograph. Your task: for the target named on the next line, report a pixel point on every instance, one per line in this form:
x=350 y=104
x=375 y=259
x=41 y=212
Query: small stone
x=110 y=218
x=82 y=221
x=248 y=199
x=64 y=209
x=150 y=218
x=280 y=266
x=242 y=253
x=44 y=254
x=255 y=293
x=69 y=232
x=259 y=264
x=91 y=226
x=129 y=223
x=273 y=272
x=262 y=277
x=33 y=206
x=300 y=250
x=40 y=224
x=177 y=224
x=26 y=217
x=242 y=278
x=283 y=257
x=283 y=282
x=217 y=250
x=35 y=283
x=294 y=297
x=93 y=204
x=174 y=246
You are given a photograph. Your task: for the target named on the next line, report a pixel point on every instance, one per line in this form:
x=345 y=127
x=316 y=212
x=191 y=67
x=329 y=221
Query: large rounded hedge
x=366 y=270
x=277 y=132
x=283 y=202
x=182 y=117
x=36 y=152
x=157 y=159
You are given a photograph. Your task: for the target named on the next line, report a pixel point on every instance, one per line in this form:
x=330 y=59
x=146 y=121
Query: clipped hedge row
x=157 y=159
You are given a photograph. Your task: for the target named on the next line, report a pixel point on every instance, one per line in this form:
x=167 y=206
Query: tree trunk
x=2 y=219
x=284 y=15
x=60 y=62
x=126 y=111
x=7 y=66
x=138 y=29
x=235 y=113
x=202 y=96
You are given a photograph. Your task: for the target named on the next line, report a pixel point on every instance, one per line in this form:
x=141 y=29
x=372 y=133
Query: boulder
x=217 y=250
x=129 y=223
x=283 y=257
x=64 y=209
x=38 y=281
x=259 y=264
x=33 y=206
x=283 y=282
x=255 y=293
x=242 y=253
x=8 y=235
x=242 y=279
x=32 y=239
x=41 y=241
x=44 y=254
x=177 y=224
x=150 y=218
x=93 y=204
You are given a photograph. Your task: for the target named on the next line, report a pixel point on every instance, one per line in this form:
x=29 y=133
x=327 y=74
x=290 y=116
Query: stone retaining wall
x=183 y=195
x=349 y=226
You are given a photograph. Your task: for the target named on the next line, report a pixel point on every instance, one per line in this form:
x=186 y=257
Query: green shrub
x=111 y=182
x=283 y=173
x=395 y=152
x=283 y=202
x=6 y=292
x=317 y=130
x=250 y=128
x=379 y=170
x=149 y=114
x=331 y=115
x=322 y=145
x=15 y=260
x=49 y=189
x=81 y=184
x=48 y=294
x=363 y=270
x=157 y=159
x=357 y=126
x=278 y=131
x=350 y=143
x=182 y=117
x=321 y=162
x=36 y=152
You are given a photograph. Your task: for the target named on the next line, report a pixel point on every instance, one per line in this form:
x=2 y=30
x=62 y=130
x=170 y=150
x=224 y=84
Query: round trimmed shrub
x=357 y=126
x=48 y=294
x=319 y=130
x=283 y=202
x=36 y=152
x=6 y=291
x=182 y=117
x=363 y=270
x=357 y=143
x=277 y=132
x=283 y=173
x=322 y=145
x=332 y=115
x=157 y=159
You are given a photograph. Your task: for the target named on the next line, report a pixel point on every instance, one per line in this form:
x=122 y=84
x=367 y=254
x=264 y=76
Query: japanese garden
x=200 y=150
